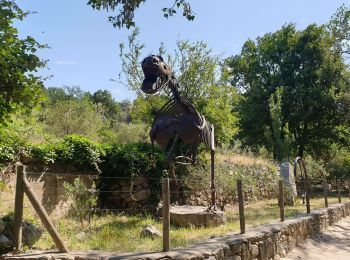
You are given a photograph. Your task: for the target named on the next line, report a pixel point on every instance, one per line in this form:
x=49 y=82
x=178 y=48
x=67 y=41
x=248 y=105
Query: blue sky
x=84 y=45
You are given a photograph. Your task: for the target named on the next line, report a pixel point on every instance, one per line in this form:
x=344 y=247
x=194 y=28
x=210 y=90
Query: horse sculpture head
x=157 y=74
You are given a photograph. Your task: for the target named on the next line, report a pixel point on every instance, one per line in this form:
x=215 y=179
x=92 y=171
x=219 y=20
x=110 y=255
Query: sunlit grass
x=120 y=233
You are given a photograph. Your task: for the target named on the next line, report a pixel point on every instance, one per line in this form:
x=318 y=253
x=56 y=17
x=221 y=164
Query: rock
x=186 y=216
x=139 y=180
x=81 y=236
x=150 y=231
x=30 y=233
x=142 y=195
x=4 y=243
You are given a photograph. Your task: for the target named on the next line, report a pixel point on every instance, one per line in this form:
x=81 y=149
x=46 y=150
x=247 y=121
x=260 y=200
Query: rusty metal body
x=178 y=120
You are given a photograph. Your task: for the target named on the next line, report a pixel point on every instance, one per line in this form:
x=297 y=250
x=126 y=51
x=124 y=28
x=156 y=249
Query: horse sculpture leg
x=212 y=181
x=212 y=171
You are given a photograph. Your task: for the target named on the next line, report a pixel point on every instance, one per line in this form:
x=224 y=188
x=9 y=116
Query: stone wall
x=124 y=194
x=271 y=241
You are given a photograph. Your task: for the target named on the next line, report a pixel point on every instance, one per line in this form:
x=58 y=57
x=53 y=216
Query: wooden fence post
x=281 y=199
x=166 y=215
x=338 y=191
x=44 y=217
x=18 y=215
x=325 y=193
x=241 y=206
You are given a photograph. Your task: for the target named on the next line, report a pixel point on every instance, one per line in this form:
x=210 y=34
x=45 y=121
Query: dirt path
x=333 y=243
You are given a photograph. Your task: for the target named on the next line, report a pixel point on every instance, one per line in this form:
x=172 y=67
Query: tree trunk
x=301 y=150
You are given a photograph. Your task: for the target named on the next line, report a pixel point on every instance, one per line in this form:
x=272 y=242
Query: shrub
x=74 y=149
x=83 y=200
x=130 y=161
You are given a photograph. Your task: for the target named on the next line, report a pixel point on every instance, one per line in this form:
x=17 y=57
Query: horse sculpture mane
x=177 y=120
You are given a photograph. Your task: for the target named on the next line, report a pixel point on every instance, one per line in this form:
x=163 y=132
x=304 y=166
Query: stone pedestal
x=287 y=175
x=186 y=216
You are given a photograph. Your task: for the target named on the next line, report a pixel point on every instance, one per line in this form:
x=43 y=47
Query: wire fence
x=316 y=194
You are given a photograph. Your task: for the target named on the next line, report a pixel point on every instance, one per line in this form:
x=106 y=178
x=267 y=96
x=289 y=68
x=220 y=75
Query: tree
x=197 y=70
x=19 y=88
x=339 y=27
x=126 y=10
x=111 y=108
x=313 y=74
x=67 y=117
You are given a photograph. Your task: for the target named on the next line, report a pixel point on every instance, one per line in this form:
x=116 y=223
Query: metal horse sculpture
x=177 y=120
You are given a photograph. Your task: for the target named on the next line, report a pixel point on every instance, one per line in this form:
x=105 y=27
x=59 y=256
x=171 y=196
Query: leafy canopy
x=19 y=88
x=311 y=72
x=126 y=10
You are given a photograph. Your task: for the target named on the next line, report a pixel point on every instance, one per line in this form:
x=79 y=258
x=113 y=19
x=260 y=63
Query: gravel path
x=333 y=243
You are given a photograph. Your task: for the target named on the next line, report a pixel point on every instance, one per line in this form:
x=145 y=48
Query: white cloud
x=65 y=62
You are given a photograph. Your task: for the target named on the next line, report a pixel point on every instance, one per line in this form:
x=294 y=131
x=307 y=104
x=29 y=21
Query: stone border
x=271 y=241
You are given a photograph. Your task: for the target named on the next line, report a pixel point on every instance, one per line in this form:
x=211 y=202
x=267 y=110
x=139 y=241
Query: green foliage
x=74 y=150
x=316 y=169
x=339 y=26
x=126 y=10
x=9 y=145
x=145 y=108
x=123 y=133
x=338 y=162
x=129 y=161
x=83 y=200
x=313 y=74
x=278 y=134
x=19 y=87
x=111 y=109
x=67 y=117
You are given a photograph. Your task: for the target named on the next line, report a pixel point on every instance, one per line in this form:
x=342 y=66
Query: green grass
x=120 y=233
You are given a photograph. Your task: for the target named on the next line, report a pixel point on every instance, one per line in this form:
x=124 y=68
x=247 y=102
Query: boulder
x=5 y=243
x=150 y=231
x=142 y=195
x=30 y=233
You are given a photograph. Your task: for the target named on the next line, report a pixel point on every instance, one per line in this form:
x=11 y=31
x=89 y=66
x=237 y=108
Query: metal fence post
x=166 y=215
x=241 y=206
x=307 y=195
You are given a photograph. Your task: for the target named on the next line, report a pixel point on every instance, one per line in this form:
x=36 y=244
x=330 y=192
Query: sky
x=84 y=45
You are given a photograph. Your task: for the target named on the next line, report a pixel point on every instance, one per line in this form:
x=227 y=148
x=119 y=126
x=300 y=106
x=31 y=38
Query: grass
x=120 y=233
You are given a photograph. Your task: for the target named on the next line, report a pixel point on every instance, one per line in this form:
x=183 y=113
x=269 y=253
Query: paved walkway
x=333 y=243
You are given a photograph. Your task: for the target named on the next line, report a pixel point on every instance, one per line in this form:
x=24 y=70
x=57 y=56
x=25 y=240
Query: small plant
x=83 y=200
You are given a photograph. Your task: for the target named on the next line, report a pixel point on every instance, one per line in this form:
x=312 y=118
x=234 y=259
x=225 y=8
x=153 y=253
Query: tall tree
x=312 y=73
x=126 y=10
x=112 y=109
x=19 y=87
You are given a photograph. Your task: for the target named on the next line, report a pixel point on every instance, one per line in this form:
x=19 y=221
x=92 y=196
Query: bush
x=74 y=150
x=83 y=200
x=129 y=161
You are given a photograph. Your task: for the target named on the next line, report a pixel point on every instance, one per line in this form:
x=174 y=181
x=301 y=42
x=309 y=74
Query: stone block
x=186 y=216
